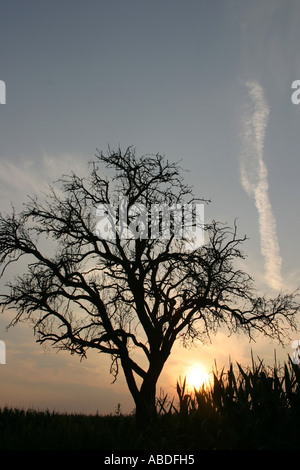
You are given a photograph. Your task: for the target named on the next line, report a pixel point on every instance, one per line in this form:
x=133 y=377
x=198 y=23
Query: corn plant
x=255 y=405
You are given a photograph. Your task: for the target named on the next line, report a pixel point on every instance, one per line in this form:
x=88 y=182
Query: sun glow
x=196 y=377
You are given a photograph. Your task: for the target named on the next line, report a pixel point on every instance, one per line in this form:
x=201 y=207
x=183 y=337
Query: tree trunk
x=145 y=397
x=145 y=400
x=145 y=404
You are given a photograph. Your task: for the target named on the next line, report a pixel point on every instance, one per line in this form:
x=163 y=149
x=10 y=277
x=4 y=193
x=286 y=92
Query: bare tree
x=130 y=297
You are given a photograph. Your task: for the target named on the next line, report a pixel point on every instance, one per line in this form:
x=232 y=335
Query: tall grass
x=243 y=408
x=253 y=408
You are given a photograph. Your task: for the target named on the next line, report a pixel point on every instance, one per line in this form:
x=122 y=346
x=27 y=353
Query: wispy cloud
x=29 y=176
x=254 y=178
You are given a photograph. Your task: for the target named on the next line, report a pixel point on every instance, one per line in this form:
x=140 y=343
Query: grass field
x=257 y=408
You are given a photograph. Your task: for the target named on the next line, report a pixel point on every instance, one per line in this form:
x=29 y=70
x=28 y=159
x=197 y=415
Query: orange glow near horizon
x=196 y=377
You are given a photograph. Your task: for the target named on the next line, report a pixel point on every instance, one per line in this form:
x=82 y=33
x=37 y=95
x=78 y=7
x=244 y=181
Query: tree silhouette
x=132 y=293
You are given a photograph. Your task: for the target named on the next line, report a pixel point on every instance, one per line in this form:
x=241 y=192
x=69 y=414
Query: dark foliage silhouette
x=129 y=298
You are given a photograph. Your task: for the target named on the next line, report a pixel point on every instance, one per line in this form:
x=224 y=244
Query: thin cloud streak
x=254 y=179
x=33 y=176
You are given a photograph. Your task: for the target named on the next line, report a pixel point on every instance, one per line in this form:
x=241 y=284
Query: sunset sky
x=206 y=82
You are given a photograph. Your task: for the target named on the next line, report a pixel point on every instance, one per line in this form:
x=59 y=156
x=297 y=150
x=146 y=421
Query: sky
x=204 y=82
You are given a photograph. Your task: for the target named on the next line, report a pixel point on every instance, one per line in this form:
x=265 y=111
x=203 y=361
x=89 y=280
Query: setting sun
x=196 y=377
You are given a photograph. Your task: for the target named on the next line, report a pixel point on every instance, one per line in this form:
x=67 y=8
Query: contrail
x=254 y=178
